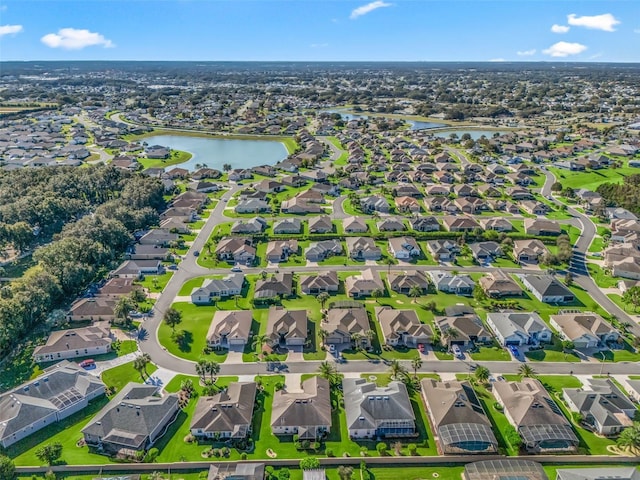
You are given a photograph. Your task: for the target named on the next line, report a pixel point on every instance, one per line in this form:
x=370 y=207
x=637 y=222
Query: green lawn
x=597 y=245
x=591 y=179
x=156 y=283
x=195 y=323
x=177 y=156
x=119 y=376
x=494 y=353
x=602 y=279
x=552 y=353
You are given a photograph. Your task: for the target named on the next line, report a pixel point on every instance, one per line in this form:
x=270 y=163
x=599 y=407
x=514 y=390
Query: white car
x=332 y=348
x=456 y=351
x=236 y=269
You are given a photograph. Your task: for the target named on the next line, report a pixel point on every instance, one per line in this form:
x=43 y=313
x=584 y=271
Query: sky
x=314 y=30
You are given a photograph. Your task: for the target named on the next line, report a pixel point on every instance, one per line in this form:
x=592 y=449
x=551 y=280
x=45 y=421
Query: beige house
x=287 y=327
x=342 y=323
x=585 y=329
x=95 y=339
x=229 y=328
x=305 y=412
x=363 y=285
x=402 y=327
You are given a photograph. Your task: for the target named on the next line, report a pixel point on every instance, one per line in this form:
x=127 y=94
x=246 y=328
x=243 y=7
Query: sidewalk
x=107 y=364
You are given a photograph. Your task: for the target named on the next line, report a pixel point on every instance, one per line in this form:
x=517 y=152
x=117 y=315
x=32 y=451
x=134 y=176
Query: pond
x=414 y=124
x=474 y=133
x=215 y=152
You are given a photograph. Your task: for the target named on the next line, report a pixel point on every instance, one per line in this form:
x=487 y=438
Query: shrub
x=309 y=463
x=412 y=448
x=243 y=456
x=151 y=455
x=329 y=452
x=381 y=448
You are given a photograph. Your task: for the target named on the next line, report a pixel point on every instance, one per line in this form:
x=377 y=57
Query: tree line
x=98 y=222
x=625 y=195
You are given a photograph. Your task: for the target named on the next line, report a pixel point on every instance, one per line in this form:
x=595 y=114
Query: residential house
x=229 y=328
x=377 y=412
x=60 y=391
x=236 y=250
x=287 y=225
x=343 y=323
x=404 y=248
x=462 y=330
x=322 y=282
x=404 y=282
x=281 y=250
x=485 y=252
x=598 y=473
x=158 y=236
x=363 y=285
x=447 y=282
x=92 y=340
x=603 y=407
x=321 y=224
x=519 y=328
x=547 y=289
x=529 y=251
x=218 y=288
x=536 y=417
x=117 y=287
x=443 y=250
x=460 y=223
x=132 y=421
x=252 y=205
x=319 y=251
x=148 y=252
x=269 y=186
x=252 y=226
x=278 y=285
x=374 y=204
x=458 y=418
x=584 y=329
x=391 y=225
x=93 y=309
x=226 y=415
x=354 y=225
x=539 y=226
x=498 y=284
x=305 y=412
x=287 y=328
x=363 y=248
x=425 y=224
x=402 y=327
x=138 y=268
x=300 y=206
x=407 y=205
x=496 y=223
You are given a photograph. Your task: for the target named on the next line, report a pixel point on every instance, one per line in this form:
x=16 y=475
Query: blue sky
x=337 y=30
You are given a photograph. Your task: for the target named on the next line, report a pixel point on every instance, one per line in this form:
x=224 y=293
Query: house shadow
x=172 y=430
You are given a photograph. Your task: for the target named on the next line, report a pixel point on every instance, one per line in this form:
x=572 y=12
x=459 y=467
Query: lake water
x=414 y=124
x=475 y=134
x=215 y=152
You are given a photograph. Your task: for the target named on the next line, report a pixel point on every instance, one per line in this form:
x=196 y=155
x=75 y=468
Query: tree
x=323 y=334
x=388 y=262
x=568 y=279
x=632 y=296
x=449 y=333
x=49 y=453
x=7 y=468
x=187 y=386
x=172 y=318
x=212 y=368
x=323 y=297
x=397 y=370
x=328 y=371
x=122 y=309
x=226 y=167
x=236 y=298
x=482 y=374
x=377 y=293
x=201 y=369
x=345 y=472
x=415 y=292
x=567 y=346
x=140 y=364
x=137 y=296
x=416 y=364
x=381 y=447
x=309 y=463
x=259 y=341
x=479 y=294
x=630 y=437
x=526 y=370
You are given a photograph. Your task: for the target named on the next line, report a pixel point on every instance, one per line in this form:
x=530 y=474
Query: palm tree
x=322 y=297
x=140 y=365
x=449 y=333
x=323 y=334
x=416 y=364
x=567 y=346
x=630 y=437
x=236 y=298
x=328 y=371
x=122 y=309
x=415 y=292
x=356 y=340
x=212 y=368
x=226 y=167
x=396 y=370
x=146 y=360
x=388 y=262
x=201 y=369
x=377 y=293
x=259 y=341
x=526 y=370
x=482 y=374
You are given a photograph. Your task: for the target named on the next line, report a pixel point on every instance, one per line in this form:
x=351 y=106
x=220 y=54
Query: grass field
x=177 y=156
x=592 y=178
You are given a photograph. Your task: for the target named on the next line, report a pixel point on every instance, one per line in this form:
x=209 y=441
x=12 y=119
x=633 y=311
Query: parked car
x=332 y=348
x=421 y=347
x=88 y=363
x=514 y=350
x=196 y=253
x=236 y=269
x=456 y=351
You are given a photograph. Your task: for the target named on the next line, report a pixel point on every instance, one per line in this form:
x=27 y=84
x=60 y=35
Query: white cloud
x=555 y=28
x=637 y=30
x=10 y=29
x=564 y=49
x=319 y=45
x=368 y=8
x=75 y=39
x=497 y=60
x=527 y=53
x=604 y=22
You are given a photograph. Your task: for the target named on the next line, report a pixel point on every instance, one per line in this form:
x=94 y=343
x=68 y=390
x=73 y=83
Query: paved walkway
x=160 y=377
x=233 y=357
x=107 y=364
